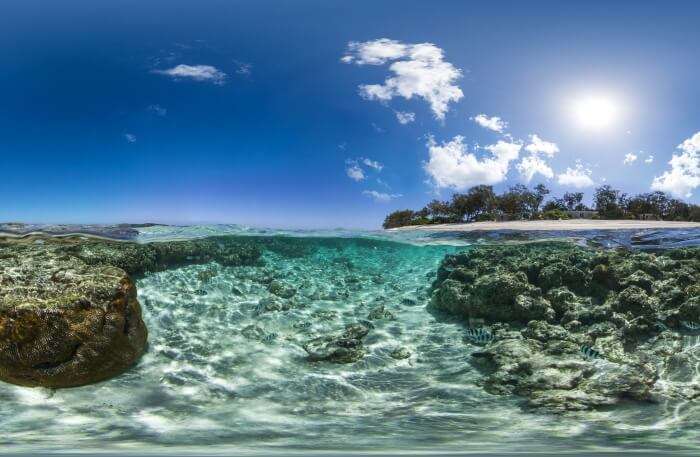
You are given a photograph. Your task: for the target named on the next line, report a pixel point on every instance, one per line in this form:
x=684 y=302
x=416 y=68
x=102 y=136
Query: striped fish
x=479 y=335
x=269 y=338
x=693 y=326
x=589 y=353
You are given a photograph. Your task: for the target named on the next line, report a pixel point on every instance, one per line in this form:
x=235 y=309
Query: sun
x=595 y=112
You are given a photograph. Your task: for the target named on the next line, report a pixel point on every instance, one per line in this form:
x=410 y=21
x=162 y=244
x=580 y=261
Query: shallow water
x=220 y=375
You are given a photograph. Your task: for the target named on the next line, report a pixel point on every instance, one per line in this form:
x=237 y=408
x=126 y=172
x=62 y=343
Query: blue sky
x=266 y=113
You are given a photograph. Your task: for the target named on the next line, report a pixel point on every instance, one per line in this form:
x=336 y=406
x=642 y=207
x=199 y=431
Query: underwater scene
x=239 y=340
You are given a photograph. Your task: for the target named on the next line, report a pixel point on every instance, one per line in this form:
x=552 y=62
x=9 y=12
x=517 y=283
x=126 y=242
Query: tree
x=637 y=206
x=540 y=192
x=572 y=201
x=659 y=204
x=439 y=211
x=694 y=213
x=555 y=204
x=478 y=200
x=517 y=200
x=607 y=202
x=399 y=219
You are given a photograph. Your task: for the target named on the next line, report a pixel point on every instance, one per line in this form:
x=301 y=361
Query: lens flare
x=595 y=112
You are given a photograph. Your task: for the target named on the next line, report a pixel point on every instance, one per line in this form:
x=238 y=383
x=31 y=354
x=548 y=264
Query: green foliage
x=609 y=202
x=477 y=200
x=555 y=215
x=399 y=219
x=480 y=203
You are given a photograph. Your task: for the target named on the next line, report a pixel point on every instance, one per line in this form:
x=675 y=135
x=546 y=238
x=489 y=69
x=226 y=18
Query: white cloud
x=382 y=183
x=533 y=164
x=419 y=70
x=538 y=145
x=578 y=177
x=684 y=175
x=130 y=138
x=405 y=117
x=373 y=164
x=649 y=159
x=494 y=123
x=355 y=173
x=452 y=165
x=377 y=52
x=630 y=158
x=377 y=128
x=158 y=110
x=380 y=197
x=243 y=68
x=195 y=72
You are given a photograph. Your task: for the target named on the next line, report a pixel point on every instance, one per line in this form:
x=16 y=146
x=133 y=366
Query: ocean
x=228 y=367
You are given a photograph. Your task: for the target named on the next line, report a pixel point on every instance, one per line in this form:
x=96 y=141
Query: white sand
x=572 y=224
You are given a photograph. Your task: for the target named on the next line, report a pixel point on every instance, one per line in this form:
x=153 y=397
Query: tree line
x=481 y=203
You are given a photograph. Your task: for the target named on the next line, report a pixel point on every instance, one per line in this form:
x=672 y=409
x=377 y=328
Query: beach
x=572 y=224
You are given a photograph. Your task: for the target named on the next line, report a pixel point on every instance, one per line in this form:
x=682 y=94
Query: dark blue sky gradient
x=263 y=149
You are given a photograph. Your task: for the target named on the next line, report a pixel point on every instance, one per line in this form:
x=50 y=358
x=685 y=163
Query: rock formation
x=68 y=309
x=575 y=328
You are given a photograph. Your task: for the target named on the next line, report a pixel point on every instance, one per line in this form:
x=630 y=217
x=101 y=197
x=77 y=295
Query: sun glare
x=595 y=111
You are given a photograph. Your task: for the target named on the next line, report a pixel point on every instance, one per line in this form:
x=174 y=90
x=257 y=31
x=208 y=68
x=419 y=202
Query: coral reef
x=68 y=309
x=574 y=328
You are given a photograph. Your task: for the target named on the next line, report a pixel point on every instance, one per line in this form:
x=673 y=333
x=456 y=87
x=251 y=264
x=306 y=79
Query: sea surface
x=221 y=375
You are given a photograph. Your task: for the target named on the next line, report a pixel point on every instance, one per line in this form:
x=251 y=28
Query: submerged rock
x=64 y=323
x=584 y=322
x=281 y=289
x=345 y=347
x=380 y=312
x=400 y=353
x=69 y=315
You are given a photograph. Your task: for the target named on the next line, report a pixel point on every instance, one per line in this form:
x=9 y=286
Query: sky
x=327 y=114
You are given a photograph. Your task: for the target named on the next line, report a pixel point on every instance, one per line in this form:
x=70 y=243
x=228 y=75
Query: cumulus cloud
x=418 y=70
x=130 y=137
x=533 y=164
x=539 y=146
x=649 y=159
x=373 y=164
x=684 y=175
x=578 y=177
x=405 y=117
x=204 y=73
x=157 y=110
x=355 y=173
x=495 y=123
x=452 y=165
x=630 y=158
x=380 y=197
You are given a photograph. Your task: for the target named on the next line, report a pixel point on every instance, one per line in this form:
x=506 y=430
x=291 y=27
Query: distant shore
x=547 y=225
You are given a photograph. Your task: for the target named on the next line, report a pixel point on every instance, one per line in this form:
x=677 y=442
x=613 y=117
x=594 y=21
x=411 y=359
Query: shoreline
x=560 y=225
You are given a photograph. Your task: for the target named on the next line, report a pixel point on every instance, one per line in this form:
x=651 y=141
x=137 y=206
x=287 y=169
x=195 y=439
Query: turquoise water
x=224 y=374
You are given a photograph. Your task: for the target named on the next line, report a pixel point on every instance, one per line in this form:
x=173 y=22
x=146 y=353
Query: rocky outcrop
x=344 y=347
x=68 y=309
x=574 y=328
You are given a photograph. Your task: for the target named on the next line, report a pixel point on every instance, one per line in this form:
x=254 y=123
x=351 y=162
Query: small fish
x=693 y=326
x=269 y=338
x=479 y=335
x=589 y=353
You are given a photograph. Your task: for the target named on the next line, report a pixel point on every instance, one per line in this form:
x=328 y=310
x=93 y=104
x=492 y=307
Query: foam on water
x=222 y=374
